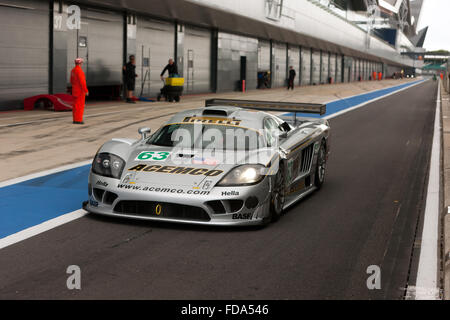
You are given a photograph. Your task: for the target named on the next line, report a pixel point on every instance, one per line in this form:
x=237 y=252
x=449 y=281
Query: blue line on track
x=29 y=203
x=339 y=105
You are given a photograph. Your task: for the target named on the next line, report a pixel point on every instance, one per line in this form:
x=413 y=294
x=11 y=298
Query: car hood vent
x=215 y=112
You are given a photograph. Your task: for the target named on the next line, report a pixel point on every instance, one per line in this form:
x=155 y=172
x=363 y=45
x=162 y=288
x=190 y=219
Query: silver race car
x=230 y=163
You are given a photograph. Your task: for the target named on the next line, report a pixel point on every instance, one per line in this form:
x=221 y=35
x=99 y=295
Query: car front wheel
x=278 y=194
x=321 y=166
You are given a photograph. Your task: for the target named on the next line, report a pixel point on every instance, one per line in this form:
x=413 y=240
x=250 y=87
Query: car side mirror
x=285 y=127
x=144 y=132
x=283 y=135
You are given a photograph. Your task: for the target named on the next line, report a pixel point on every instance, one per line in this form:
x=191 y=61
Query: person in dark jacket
x=171 y=68
x=129 y=73
x=291 y=79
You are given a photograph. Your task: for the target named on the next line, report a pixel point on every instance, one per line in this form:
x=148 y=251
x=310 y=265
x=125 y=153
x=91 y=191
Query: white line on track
x=418 y=80
x=427 y=287
x=53 y=223
x=43 y=173
x=40 y=228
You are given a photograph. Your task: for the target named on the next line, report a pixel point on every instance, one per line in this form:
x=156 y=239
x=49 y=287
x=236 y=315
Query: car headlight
x=108 y=165
x=243 y=175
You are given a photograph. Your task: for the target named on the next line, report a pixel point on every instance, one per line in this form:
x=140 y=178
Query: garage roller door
x=197 y=60
x=24 y=43
x=367 y=73
x=316 y=67
x=100 y=43
x=339 y=69
x=279 y=64
x=294 y=60
x=154 y=46
x=333 y=67
x=306 y=66
x=324 y=73
x=263 y=55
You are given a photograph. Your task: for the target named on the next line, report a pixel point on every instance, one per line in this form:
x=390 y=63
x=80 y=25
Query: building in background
x=216 y=43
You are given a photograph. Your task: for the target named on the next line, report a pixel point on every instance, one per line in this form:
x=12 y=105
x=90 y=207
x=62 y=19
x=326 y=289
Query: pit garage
x=100 y=43
x=263 y=55
x=24 y=43
x=154 y=46
x=279 y=64
x=357 y=69
x=306 y=67
x=338 y=69
x=294 y=61
x=197 y=59
x=237 y=60
x=333 y=67
x=315 y=67
x=347 y=71
x=324 y=65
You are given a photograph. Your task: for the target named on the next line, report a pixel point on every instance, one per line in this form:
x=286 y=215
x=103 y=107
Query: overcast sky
x=436 y=15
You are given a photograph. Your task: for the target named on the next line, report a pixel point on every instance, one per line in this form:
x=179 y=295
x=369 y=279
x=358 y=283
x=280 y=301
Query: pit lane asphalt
x=367 y=213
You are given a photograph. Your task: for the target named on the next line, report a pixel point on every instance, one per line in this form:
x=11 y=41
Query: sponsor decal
x=162 y=190
x=293 y=168
x=289 y=171
x=102 y=183
x=93 y=203
x=213 y=120
x=158 y=210
x=299 y=185
x=230 y=193
x=316 y=147
x=127 y=178
x=207 y=185
x=176 y=170
x=152 y=156
x=242 y=216
x=206 y=161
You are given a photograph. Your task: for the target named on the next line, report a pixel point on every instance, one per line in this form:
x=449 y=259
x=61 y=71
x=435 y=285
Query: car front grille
x=104 y=196
x=161 y=209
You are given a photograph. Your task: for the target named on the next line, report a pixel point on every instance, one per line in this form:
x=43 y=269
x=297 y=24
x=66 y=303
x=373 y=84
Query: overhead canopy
x=193 y=13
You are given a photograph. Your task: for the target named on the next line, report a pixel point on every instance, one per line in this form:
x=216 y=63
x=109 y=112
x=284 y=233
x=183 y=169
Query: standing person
x=79 y=91
x=267 y=79
x=292 y=75
x=171 y=68
x=129 y=72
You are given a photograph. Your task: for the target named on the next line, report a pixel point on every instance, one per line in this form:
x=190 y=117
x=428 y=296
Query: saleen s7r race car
x=230 y=163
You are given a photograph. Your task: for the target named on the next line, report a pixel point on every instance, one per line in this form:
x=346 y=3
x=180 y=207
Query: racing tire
x=278 y=196
x=319 y=176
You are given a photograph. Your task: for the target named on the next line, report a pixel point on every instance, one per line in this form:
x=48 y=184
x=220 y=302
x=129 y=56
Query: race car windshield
x=207 y=136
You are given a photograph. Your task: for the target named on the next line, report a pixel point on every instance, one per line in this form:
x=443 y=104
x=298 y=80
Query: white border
x=427 y=287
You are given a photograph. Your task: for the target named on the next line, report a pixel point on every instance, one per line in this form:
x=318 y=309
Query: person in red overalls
x=79 y=91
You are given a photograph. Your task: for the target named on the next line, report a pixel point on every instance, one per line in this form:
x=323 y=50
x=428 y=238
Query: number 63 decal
x=152 y=156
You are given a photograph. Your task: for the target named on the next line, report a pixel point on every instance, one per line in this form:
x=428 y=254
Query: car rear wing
x=293 y=107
